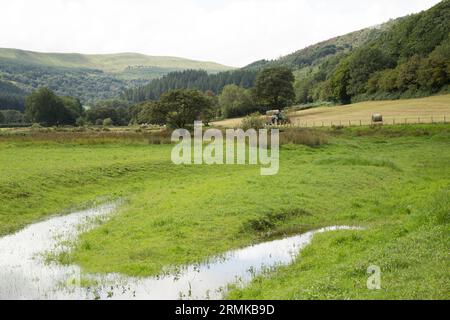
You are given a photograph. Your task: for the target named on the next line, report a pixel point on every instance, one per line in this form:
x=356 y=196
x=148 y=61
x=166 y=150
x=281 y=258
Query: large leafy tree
x=183 y=106
x=274 y=87
x=74 y=109
x=235 y=101
x=339 y=82
x=43 y=106
x=148 y=112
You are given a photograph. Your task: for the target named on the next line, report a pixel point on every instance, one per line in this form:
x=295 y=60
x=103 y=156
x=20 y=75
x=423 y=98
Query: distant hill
x=119 y=63
x=89 y=77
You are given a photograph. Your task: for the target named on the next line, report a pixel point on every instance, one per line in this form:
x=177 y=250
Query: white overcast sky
x=232 y=32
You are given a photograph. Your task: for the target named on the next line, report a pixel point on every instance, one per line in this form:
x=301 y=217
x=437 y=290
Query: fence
x=299 y=123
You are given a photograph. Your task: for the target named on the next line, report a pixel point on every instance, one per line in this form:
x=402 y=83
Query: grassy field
x=400 y=111
x=394 y=181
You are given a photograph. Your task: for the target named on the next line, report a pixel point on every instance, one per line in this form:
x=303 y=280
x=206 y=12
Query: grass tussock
x=268 y=222
x=307 y=137
x=357 y=161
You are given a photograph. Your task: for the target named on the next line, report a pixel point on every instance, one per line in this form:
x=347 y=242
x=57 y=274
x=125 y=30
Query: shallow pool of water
x=24 y=273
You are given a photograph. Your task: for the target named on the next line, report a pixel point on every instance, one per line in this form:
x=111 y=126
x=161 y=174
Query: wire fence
x=296 y=122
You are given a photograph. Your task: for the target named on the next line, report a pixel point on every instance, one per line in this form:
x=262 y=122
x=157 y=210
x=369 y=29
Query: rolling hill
x=89 y=77
x=110 y=63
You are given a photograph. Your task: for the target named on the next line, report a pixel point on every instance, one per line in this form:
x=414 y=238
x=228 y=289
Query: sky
x=231 y=32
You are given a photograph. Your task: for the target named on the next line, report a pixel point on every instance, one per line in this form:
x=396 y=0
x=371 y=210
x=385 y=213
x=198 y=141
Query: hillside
x=404 y=58
x=314 y=54
x=302 y=61
x=408 y=57
x=88 y=77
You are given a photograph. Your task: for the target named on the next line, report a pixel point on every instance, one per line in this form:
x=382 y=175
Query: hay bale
x=376 y=117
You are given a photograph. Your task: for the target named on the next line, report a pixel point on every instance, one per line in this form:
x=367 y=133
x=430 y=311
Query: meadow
x=411 y=111
x=394 y=181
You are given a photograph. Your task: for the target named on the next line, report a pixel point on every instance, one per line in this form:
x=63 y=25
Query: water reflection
x=25 y=275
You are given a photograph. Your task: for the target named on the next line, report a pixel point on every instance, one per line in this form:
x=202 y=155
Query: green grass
x=393 y=181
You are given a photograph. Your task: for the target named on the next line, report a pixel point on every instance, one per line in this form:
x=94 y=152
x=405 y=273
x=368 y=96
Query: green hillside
x=89 y=77
x=302 y=61
x=407 y=57
x=317 y=53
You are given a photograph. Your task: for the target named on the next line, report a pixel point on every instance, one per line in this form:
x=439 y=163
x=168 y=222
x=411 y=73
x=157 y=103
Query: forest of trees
x=88 y=85
x=11 y=96
x=190 y=79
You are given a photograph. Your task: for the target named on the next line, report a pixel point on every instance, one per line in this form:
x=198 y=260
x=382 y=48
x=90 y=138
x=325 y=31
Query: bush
x=98 y=122
x=108 y=122
x=36 y=126
x=80 y=122
x=253 y=121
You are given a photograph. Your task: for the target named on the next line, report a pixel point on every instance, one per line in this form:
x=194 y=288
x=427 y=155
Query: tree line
x=273 y=89
x=190 y=79
x=175 y=108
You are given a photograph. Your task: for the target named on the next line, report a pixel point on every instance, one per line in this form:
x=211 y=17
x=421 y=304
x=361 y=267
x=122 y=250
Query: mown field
x=394 y=181
x=412 y=111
